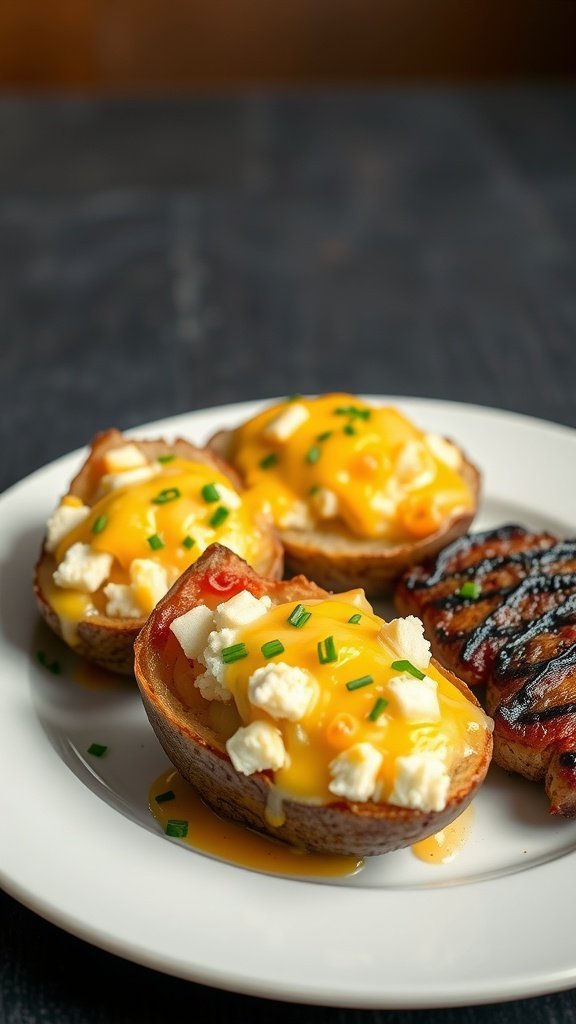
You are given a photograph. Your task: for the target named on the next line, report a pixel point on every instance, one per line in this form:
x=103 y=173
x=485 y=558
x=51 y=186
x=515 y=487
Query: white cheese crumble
x=414 y=467
x=422 y=782
x=354 y=772
x=286 y=422
x=414 y=700
x=444 y=450
x=64 y=519
x=228 y=496
x=121 y=602
x=282 y=690
x=296 y=517
x=241 y=610
x=128 y=456
x=211 y=683
x=129 y=477
x=256 y=747
x=325 y=503
x=82 y=569
x=149 y=582
x=405 y=639
x=192 y=629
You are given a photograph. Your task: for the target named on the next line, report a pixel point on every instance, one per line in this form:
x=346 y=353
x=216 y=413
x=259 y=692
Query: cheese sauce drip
x=352 y=702
x=165 y=521
x=340 y=459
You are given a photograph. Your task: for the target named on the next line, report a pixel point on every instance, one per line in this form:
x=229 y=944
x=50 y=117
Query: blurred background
x=143 y=45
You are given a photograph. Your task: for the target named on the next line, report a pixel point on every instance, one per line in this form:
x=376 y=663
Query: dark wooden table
x=162 y=255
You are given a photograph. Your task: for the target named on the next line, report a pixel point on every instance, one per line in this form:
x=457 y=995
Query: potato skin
x=342 y=827
x=338 y=560
x=109 y=642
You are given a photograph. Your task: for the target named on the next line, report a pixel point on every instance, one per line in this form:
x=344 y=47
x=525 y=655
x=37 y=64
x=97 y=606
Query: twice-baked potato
x=303 y=715
x=357 y=491
x=136 y=515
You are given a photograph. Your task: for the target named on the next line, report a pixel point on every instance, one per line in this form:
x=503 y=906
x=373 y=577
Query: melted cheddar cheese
x=338 y=458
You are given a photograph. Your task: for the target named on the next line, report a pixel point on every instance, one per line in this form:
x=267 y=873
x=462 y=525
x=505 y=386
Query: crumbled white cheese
x=64 y=519
x=296 y=517
x=129 y=477
x=354 y=772
x=286 y=422
x=422 y=782
x=241 y=610
x=211 y=656
x=282 y=690
x=83 y=569
x=128 y=456
x=228 y=496
x=325 y=503
x=405 y=639
x=149 y=582
x=121 y=602
x=256 y=747
x=415 y=700
x=192 y=629
x=212 y=688
x=414 y=467
x=444 y=450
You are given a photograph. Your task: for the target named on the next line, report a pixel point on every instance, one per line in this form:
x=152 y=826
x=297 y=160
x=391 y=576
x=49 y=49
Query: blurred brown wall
x=105 y=45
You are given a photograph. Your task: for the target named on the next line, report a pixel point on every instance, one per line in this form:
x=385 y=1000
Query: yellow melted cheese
x=387 y=479
x=339 y=717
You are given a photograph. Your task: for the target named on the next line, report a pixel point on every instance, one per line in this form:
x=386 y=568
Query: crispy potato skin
x=341 y=827
x=338 y=560
x=109 y=642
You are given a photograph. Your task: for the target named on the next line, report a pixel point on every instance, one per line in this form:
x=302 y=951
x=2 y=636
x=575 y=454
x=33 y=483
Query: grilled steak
x=499 y=609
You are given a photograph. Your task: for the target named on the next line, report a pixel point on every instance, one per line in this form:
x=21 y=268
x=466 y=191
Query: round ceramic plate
x=80 y=847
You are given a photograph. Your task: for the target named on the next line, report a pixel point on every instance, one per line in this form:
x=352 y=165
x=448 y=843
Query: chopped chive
x=378 y=708
x=313 y=454
x=155 y=542
x=327 y=650
x=162 y=798
x=188 y=542
x=325 y=435
x=268 y=461
x=354 y=412
x=355 y=619
x=168 y=494
x=234 y=653
x=166 y=458
x=210 y=493
x=219 y=516
x=469 y=589
x=293 y=398
x=97 y=749
x=271 y=648
x=299 y=616
x=407 y=666
x=52 y=666
x=314 y=490
x=349 y=429
x=357 y=684
x=177 y=828
x=99 y=524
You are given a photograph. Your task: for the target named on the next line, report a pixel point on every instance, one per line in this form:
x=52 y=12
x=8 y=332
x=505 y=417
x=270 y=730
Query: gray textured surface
x=164 y=255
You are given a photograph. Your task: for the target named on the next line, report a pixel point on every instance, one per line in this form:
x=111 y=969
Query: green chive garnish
x=168 y=494
x=219 y=516
x=349 y=429
x=162 y=798
x=52 y=666
x=177 y=828
x=469 y=589
x=407 y=666
x=378 y=708
x=271 y=648
x=293 y=398
x=313 y=454
x=164 y=459
x=97 y=749
x=355 y=619
x=188 y=542
x=234 y=653
x=325 y=435
x=299 y=616
x=99 y=524
x=210 y=493
x=327 y=650
x=314 y=490
x=354 y=412
x=357 y=684
x=155 y=542
x=268 y=461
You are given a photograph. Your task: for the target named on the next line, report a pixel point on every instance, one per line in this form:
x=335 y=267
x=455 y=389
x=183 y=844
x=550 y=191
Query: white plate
x=82 y=850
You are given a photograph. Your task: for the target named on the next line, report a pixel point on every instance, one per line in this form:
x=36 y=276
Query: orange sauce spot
x=445 y=845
